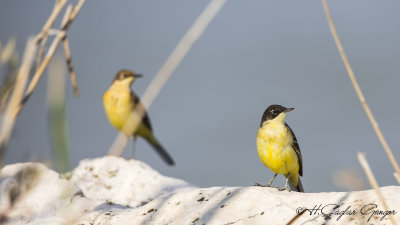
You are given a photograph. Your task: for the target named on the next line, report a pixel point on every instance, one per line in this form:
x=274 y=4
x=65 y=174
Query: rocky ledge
x=117 y=191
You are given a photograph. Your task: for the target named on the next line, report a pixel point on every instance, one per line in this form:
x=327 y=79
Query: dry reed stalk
x=397 y=176
x=70 y=66
x=50 y=53
x=10 y=113
x=39 y=57
x=39 y=72
x=43 y=36
x=185 y=44
x=358 y=89
x=58 y=6
x=296 y=217
x=373 y=182
x=67 y=51
x=18 y=100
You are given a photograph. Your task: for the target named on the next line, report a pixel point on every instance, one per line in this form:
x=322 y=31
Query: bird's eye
x=273 y=111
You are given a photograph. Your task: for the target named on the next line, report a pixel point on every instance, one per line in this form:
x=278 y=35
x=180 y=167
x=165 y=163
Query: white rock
x=119 y=191
x=41 y=194
x=252 y=205
x=121 y=181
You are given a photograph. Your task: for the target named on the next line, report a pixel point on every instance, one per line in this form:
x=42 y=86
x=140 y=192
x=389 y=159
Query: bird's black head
x=273 y=111
x=124 y=74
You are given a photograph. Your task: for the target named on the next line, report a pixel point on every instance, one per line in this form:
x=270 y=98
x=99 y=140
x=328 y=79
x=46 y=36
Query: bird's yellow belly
x=274 y=147
x=118 y=107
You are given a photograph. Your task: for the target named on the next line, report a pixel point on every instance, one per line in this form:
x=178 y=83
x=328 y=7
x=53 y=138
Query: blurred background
x=253 y=54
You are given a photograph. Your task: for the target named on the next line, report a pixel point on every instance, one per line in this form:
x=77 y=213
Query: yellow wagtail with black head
x=278 y=149
x=120 y=101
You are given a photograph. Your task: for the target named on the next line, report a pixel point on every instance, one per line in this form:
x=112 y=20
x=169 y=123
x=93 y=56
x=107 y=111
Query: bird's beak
x=137 y=75
x=289 y=109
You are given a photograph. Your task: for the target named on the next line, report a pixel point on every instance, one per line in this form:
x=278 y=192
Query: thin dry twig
x=67 y=14
x=59 y=5
x=8 y=57
x=50 y=53
x=397 y=176
x=358 y=89
x=191 y=36
x=296 y=217
x=39 y=72
x=373 y=182
x=70 y=67
x=180 y=51
x=67 y=51
x=74 y=13
x=18 y=100
x=41 y=50
x=7 y=52
x=15 y=99
x=43 y=36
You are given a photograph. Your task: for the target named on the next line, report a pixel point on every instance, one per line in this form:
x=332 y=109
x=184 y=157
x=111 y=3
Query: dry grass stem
x=41 y=51
x=67 y=51
x=43 y=36
x=67 y=14
x=16 y=96
x=10 y=57
x=397 y=176
x=17 y=100
x=358 y=89
x=7 y=52
x=50 y=53
x=73 y=14
x=349 y=180
x=59 y=5
x=70 y=67
x=39 y=72
x=296 y=217
x=372 y=181
x=191 y=36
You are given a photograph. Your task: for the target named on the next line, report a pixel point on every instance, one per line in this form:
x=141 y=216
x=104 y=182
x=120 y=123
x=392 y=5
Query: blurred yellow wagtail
x=119 y=103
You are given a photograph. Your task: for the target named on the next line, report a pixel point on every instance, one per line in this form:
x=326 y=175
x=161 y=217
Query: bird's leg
x=269 y=183
x=272 y=180
x=133 y=145
x=286 y=187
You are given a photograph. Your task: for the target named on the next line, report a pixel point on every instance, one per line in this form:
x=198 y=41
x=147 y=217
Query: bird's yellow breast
x=274 y=147
x=118 y=106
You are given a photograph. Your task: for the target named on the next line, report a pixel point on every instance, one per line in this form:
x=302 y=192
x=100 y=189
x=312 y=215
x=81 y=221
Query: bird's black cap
x=273 y=111
x=122 y=74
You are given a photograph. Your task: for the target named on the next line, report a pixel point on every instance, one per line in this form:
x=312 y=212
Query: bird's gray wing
x=151 y=139
x=145 y=119
x=296 y=148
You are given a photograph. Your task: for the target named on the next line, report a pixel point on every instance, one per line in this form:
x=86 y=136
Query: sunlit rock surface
x=125 y=182
x=113 y=190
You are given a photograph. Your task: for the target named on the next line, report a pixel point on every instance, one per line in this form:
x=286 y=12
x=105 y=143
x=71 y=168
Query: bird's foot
x=259 y=185
x=267 y=185
x=284 y=188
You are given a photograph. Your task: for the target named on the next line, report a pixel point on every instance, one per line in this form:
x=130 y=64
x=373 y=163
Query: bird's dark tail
x=293 y=179
x=299 y=187
x=160 y=150
x=163 y=153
